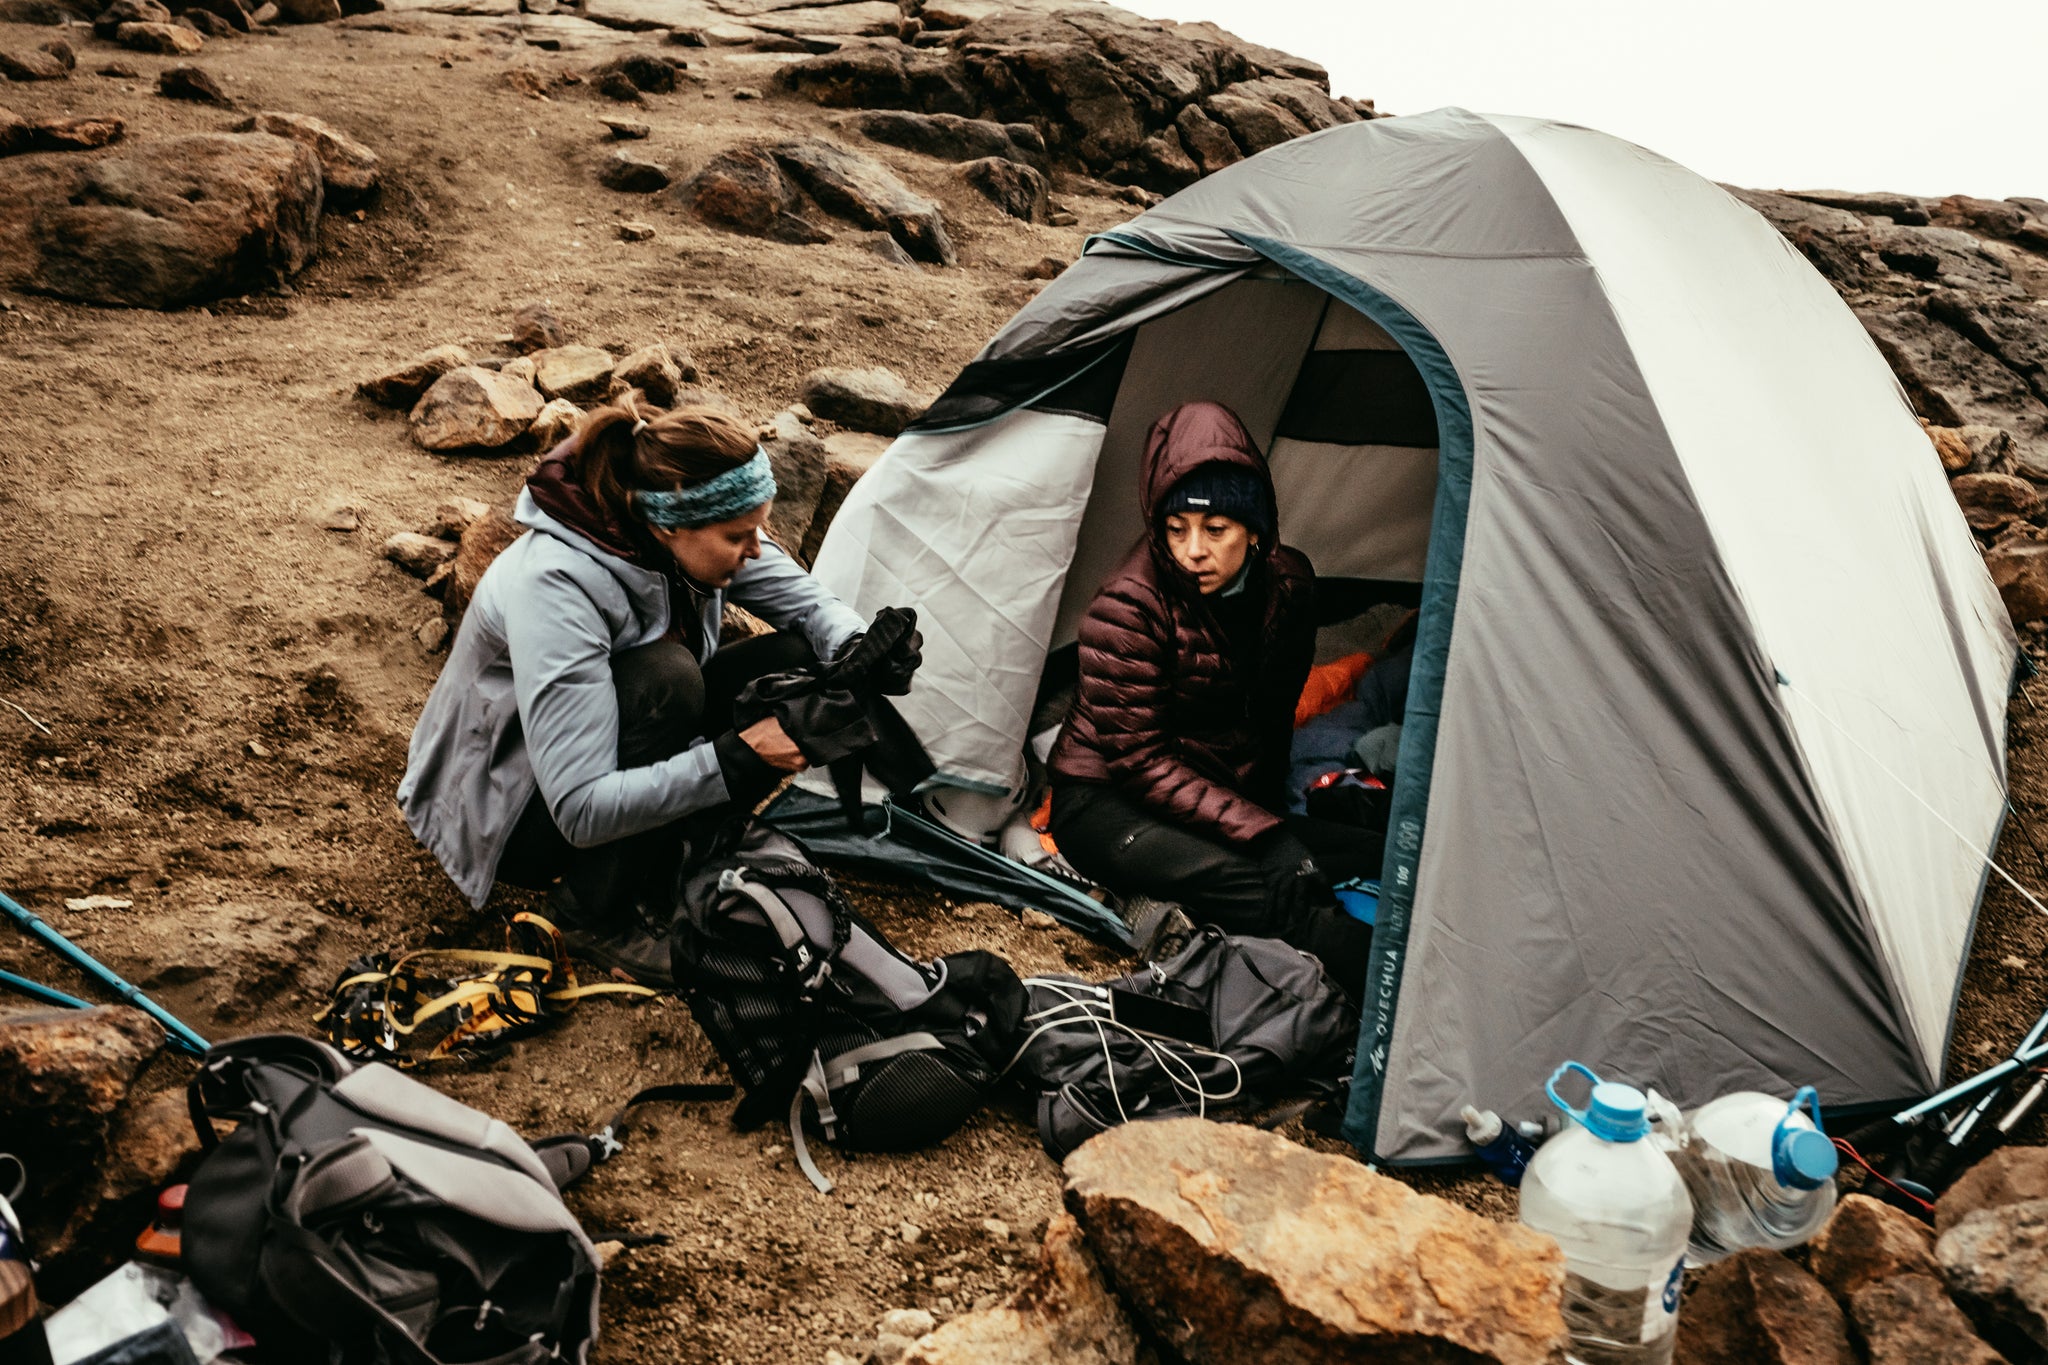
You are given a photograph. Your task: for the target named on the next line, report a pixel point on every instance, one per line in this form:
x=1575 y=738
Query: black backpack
x=355 y=1214
x=1272 y=1026
x=812 y=1009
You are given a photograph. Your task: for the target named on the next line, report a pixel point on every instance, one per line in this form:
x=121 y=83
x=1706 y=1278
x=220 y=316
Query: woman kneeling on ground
x=585 y=713
x=1169 y=778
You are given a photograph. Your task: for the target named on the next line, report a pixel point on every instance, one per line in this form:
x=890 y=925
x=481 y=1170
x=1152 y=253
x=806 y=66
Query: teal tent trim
x=1442 y=566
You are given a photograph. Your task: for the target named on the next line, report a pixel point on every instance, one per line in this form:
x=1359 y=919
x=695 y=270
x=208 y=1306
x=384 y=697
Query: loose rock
x=1045 y=268
x=2018 y=565
x=165 y=223
x=655 y=372
x=1757 y=1308
x=166 y=39
x=578 y=373
x=861 y=190
x=1996 y=1263
x=454 y=515
x=798 y=460
x=471 y=408
x=418 y=555
x=1236 y=1245
x=744 y=190
x=1011 y=186
x=558 y=421
x=482 y=541
x=1062 y=1314
x=307 y=11
x=337 y=515
x=535 y=328
x=1865 y=1242
x=108 y=25
x=840 y=477
x=347 y=168
x=402 y=387
x=1990 y=501
x=68 y=1070
x=632 y=174
x=192 y=83
x=208 y=23
x=636 y=232
x=625 y=130
x=36 y=65
x=1909 y=1320
x=73 y=134
x=873 y=399
x=2010 y=1175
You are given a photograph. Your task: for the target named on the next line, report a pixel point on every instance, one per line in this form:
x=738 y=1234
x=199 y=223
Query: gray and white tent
x=1705 y=744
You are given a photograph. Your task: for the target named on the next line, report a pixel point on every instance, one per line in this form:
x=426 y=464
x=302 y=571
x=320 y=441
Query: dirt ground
x=228 y=689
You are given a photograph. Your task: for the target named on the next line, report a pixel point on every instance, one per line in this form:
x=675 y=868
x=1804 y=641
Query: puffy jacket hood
x=1185 y=439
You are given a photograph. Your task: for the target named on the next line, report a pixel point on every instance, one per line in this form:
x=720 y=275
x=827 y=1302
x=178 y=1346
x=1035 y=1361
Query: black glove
x=885 y=664
x=1295 y=883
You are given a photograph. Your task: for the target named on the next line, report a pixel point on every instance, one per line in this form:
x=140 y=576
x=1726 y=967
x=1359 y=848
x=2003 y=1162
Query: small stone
x=482 y=542
x=337 y=516
x=636 y=232
x=616 y=85
x=631 y=173
x=905 y=1322
x=307 y=11
x=653 y=371
x=470 y=408
x=1757 y=1308
x=642 y=71
x=402 y=387
x=522 y=369
x=965 y=912
x=108 y=25
x=209 y=24
x=1038 y=919
x=37 y=65
x=1909 y=1320
x=2010 y=1175
x=1045 y=268
x=1866 y=1241
x=995 y=1229
x=1990 y=501
x=1060 y=218
x=432 y=634
x=911 y=1233
x=625 y=129
x=454 y=515
x=874 y=399
x=61 y=50
x=165 y=39
x=557 y=423
x=1011 y=186
x=535 y=327
x=75 y=134
x=191 y=83
x=1996 y=1263
x=888 y=248
x=98 y=903
x=418 y=555
x=121 y=71
x=578 y=373
x=746 y=92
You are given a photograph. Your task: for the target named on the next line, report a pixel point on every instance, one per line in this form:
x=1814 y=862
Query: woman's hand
x=768 y=739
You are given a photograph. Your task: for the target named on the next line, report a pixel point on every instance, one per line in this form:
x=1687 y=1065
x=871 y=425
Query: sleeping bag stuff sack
x=814 y=1011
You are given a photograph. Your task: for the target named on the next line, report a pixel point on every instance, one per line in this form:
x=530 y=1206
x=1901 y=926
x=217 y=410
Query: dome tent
x=1705 y=742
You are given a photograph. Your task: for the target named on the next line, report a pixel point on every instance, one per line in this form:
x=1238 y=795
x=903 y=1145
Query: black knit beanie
x=1225 y=490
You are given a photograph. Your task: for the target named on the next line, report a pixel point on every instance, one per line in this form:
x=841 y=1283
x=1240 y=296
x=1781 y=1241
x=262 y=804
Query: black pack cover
x=811 y=1008
x=1278 y=1028
x=355 y=1214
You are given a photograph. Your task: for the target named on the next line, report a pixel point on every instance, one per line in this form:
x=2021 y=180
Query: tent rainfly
x=1704 y=751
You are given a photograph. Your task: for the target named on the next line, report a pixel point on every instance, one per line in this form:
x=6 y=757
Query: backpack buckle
x=729 y=880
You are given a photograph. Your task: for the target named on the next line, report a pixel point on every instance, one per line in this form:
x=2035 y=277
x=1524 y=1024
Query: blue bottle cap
x=1802 y=1159
x=1619 y=1113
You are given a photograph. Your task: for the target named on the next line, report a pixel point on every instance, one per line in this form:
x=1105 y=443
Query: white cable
x=1165 y=1058
x=1910 y=790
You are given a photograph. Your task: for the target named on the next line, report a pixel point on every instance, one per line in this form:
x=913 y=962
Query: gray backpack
x=357 y=1215
x=1268 y=1026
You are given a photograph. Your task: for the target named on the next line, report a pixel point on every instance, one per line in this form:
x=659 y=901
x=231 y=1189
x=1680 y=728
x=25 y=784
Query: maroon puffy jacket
x=1165 y=714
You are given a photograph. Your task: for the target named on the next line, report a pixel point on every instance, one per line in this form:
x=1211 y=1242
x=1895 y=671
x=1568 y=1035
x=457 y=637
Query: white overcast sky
x=1930 y=97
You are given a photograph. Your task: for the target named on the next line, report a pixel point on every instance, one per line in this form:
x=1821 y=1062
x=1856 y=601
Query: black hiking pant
x=667 y=702
x=1110 y=839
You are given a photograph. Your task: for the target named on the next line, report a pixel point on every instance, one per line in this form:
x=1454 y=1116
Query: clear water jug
x=1760 y=1172
x=1619 y=1211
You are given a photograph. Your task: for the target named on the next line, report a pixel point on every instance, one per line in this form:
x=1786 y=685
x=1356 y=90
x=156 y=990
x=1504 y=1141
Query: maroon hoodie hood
x=557 y=492
x=1185 y=439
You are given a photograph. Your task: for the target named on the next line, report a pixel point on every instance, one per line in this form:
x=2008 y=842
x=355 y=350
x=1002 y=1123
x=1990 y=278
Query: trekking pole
x=35 y=990
x=181 y=1037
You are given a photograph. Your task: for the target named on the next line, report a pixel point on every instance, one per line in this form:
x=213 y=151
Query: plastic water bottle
x=1760 y=1172
x=1619 y=1211
x=1505 y=1151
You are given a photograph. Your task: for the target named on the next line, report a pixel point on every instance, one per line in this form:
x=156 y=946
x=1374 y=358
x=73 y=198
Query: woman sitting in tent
x=1168 y=780
x=586 y=709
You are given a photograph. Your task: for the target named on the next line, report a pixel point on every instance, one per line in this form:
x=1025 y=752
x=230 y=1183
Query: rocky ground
x=210 y=666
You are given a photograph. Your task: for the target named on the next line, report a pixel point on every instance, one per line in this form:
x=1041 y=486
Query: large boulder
x=1995 y=1262
x=1909 y=1320
x=160 y=224
x=951 y=137
x=743 y=189
x=1062 y=1314
x=1757 y=1308
x=1237 y=1245
x=874 y=399
x=1865 y=1242
x=2010 y=1175
x=863 y=191
x=1011 y=186
x=471 y=408
x=348 y=169
x=631 y=173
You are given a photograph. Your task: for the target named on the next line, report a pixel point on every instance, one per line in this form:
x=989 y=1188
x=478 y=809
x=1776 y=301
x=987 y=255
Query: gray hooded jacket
x=526 y=699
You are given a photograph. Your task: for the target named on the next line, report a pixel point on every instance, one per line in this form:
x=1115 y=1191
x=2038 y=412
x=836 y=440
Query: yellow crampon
x=457 y=1002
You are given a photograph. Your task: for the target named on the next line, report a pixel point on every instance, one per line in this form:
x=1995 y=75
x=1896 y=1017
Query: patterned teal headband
x=738 y=490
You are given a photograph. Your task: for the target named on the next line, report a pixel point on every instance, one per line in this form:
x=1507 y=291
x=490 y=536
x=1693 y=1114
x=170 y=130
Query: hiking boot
x=1159 y=929
x=619 y=943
